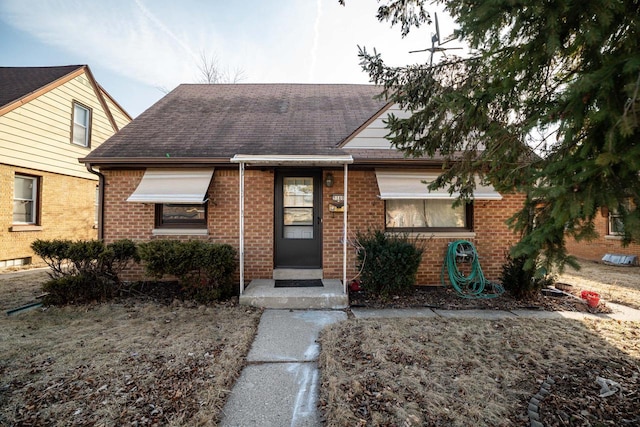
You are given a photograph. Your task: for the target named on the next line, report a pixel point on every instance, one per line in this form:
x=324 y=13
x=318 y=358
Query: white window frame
x=33 y=199
x=85 y=126
x=615 y=215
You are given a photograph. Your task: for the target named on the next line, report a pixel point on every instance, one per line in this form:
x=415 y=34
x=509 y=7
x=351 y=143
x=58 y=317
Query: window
x=25 y=200
x=81 y=125
x=169 y=215
x=427 y=214
x=616 y=225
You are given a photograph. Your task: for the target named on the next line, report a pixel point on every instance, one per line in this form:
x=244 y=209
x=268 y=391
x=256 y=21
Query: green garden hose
x=474 y=284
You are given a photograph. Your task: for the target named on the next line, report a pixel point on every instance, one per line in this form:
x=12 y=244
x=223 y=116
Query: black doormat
x=317 y=283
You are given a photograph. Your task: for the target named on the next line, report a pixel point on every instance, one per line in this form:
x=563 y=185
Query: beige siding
x=119 y=116
x=37 y=134
x=373 y=136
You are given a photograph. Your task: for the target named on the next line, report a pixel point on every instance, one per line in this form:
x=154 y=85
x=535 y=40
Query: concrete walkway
x=279 y=386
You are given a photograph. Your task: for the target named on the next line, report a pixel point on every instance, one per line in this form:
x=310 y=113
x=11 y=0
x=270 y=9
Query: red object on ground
x=354 y=286
x=593 y=298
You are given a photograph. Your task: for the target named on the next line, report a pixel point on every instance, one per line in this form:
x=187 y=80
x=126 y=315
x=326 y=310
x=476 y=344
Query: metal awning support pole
x=241 y=197
x=344 y=230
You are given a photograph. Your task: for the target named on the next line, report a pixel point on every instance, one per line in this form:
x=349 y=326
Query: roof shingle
x=217 y=121
x=18 y=82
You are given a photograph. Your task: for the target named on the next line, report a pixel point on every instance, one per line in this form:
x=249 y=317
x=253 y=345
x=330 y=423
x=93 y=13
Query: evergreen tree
x=546 y=104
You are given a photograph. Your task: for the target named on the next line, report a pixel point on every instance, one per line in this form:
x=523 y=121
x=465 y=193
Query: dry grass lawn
x=134 y=363
x=616 y=284
x=439 y=372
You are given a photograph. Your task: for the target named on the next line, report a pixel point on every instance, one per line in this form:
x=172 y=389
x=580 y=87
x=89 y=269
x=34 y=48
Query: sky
x=138 y=50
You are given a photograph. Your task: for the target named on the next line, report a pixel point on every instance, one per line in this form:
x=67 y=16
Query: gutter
x=100 y=200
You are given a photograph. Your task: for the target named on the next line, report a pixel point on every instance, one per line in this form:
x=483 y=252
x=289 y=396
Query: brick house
x=279 y=171
x=608 y=225
x=49 y=118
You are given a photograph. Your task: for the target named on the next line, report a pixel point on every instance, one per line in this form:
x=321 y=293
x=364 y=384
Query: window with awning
x=414 y=185
x=411 y=206
x=173 y=186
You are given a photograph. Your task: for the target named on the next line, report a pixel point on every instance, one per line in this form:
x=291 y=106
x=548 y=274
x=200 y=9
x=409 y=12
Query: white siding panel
x=373 y=136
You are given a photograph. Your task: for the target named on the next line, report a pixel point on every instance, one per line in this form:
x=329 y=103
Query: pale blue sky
x=135 y=47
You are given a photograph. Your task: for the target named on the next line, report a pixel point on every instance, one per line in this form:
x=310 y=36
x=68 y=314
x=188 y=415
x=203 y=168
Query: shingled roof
x=19 y=82
x=220 y=121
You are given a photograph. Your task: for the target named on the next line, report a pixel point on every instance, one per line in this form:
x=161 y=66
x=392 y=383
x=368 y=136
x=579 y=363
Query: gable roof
x=19 y=85
x=202 y=121
x=19 y=82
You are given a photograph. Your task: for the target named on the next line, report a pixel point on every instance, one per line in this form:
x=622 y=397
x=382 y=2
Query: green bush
x=389 y=264
x=85 y=270
x=203 y=269
x=520 y=282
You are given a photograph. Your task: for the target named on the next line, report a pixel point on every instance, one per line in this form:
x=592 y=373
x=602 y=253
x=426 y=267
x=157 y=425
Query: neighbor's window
x=81 y=125
x=25 y=200
x=429 y=214
x=616 y=225
x=181 y=215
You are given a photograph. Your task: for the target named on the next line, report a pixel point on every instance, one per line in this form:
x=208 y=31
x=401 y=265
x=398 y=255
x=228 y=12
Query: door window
x=297 y=204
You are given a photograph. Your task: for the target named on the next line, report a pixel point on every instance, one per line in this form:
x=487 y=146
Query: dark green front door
x=298 y=222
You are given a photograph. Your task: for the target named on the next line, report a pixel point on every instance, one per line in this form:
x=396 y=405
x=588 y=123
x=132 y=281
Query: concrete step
x=263 y=293
x=297 y=273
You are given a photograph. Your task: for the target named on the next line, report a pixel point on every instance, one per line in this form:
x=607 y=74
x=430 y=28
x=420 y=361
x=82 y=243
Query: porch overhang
x=292 y=160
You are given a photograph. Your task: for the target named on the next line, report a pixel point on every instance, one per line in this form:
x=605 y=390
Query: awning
x=411 y=185
x=180 y=186
x=292 y=160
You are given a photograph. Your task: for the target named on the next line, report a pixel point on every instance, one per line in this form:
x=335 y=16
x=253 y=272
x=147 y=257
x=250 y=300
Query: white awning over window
x=180 y=186
x=411 y=185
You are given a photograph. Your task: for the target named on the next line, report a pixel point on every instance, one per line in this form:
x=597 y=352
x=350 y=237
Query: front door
x=298 y=222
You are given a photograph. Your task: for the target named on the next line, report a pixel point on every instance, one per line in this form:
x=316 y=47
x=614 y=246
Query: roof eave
x=153 y=161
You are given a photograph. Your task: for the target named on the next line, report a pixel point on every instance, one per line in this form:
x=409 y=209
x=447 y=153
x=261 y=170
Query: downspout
x=344 y=232
x=241 y=209
x=100 y=200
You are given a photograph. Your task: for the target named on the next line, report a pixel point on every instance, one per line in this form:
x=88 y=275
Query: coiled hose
x=474 y=284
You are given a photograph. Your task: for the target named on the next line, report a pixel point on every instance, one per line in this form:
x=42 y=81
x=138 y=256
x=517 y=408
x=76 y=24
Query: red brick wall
x=135 y=221
x=366 y=211
x=492 y=236
x=604 y=244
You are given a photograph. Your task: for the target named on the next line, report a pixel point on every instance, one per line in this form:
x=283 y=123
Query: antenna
x=435 y=37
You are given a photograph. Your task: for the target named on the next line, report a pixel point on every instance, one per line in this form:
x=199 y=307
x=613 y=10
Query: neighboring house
x=49 y=118
x=263 y=167
x=610 y=228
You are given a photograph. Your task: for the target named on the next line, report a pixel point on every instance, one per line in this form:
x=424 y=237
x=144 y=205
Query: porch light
x=328 y=180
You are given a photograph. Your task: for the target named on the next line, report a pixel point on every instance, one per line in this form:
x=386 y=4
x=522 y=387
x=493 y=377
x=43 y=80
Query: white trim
x=181 y=186
x=426 y=235
x=179 y=232
x=267 y=159
x=395 y=184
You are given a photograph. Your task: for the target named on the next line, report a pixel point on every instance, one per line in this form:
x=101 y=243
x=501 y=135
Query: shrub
x=203 y=269
x=85 y=270
x=389 y=264
x=521 y=282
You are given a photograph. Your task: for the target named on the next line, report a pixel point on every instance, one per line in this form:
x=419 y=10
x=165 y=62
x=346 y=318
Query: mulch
x=577 y=399
x=446 y=298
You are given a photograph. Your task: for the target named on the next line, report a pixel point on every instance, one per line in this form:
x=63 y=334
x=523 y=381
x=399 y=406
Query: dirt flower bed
x=446 y=298
x=134 y=362
x=462 y=372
